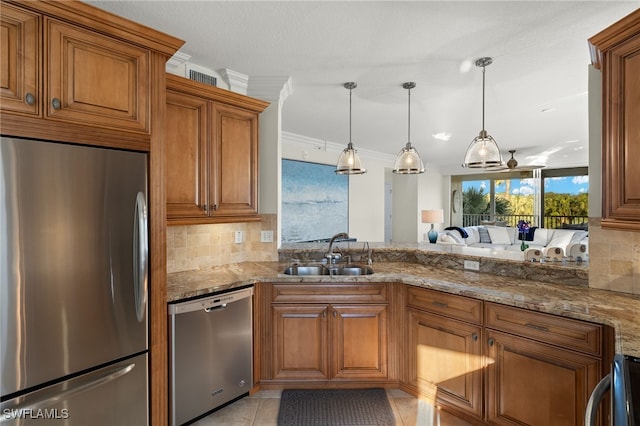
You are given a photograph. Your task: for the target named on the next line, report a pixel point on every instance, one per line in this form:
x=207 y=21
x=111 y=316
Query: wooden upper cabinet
x=616 y=51
x=212 y=153
x=19 y=61
x=71 y=72
x=95 y=79
x=186 y=132
x=235 y=186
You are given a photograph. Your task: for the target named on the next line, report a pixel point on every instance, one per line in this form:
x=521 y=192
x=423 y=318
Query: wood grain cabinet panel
x=213 y=134
x=312 y=343
x=530 y=383
x=359 y=337
x=90 y=79
x=19 y=61
x=616 y=51
x=186 y=179
x=445 y=360
x=300 y=341
x=95 y=79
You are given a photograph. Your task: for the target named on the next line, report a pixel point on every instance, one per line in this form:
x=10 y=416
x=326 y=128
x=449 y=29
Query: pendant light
x=349 y=161
x=408 y=161
x=483 y=152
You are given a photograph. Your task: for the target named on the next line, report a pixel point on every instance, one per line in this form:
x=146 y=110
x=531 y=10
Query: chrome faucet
x=330 y=255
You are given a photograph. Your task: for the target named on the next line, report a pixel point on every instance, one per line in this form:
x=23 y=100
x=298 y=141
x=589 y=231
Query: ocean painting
x=315 y=201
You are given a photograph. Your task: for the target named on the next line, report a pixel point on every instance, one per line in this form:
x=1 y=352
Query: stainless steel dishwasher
x=211 y=353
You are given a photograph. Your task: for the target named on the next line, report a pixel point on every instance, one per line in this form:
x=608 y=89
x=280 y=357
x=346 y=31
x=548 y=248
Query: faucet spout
x=330 y=255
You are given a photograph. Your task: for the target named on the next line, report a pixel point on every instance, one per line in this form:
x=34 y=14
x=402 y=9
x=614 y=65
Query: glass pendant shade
x=408 y=161
x=483 y=152
x=349 y=162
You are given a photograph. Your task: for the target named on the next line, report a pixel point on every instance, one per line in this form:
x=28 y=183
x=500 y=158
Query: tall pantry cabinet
x=71 y=72
x=616 y=52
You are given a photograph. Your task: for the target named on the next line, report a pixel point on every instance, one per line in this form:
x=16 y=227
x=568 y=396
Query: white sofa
x=573 y=243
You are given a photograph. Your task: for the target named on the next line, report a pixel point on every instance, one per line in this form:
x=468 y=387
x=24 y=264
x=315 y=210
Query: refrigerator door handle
x=46 y=401
x=594 y=400
x=140 y=256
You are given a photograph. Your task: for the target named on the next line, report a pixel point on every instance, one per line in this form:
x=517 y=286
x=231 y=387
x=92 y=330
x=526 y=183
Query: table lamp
x=432 y=216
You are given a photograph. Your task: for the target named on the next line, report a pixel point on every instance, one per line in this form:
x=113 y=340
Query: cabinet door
x=359 y=342
x=445 y=360
x=300 y=343
x=96 y=80
x=235 y=159
x=530 y=383
x=187 y=142
x=19 y=60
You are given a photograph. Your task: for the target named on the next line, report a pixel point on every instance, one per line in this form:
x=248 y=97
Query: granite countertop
x=618 y=310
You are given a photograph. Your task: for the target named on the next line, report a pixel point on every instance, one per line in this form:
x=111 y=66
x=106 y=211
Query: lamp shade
x=432 y=216
x=408 y=161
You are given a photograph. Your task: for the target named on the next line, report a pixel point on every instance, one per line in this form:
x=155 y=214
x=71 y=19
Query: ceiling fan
x=512 y=165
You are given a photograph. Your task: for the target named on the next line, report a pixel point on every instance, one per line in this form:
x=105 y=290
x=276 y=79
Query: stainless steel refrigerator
x=73 y=285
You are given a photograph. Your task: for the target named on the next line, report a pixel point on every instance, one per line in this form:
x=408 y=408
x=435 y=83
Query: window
x=556 y=198
x=315 y=201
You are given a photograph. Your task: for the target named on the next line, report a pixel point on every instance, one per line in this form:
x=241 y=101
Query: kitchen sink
x=328 y=270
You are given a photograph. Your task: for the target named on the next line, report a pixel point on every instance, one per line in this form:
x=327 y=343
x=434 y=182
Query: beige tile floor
x=261 y=409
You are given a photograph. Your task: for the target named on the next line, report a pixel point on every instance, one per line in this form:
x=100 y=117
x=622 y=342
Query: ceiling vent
x=202 y=77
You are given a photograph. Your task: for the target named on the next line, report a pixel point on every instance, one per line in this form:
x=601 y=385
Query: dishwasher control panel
x=210 y=302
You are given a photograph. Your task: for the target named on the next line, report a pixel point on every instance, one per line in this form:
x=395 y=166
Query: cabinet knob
x=324 y=313
x=215 y=207
x=474 y=337
x=490 y=342
x=55 y=103
x=30 y=99
x=205 y=207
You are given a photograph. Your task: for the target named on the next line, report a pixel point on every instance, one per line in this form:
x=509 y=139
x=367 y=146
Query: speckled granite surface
x=618 y=310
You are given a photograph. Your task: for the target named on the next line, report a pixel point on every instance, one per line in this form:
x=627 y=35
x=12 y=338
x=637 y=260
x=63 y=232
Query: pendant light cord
x=409 y=119
x=350 y=90
x=483 y=71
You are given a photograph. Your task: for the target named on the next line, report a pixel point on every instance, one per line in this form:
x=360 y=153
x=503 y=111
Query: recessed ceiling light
x=442 y=136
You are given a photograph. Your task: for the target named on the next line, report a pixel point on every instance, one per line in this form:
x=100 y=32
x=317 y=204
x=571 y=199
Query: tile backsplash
x=193 y=247
x=614 y=259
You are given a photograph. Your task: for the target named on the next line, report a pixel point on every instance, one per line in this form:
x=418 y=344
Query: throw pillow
x=455 y=236
x=499 y=235
x=561 y=238
x=484 y=235
x=473 y=235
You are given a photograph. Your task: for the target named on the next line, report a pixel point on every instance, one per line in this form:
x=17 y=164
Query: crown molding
x=327 y=146
x=237 y=81
x=275 y=88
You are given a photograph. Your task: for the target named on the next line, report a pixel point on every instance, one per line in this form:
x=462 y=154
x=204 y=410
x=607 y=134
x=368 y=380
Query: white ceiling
x=540 y=62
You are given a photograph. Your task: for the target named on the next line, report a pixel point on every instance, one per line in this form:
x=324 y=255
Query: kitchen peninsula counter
x=618 y=310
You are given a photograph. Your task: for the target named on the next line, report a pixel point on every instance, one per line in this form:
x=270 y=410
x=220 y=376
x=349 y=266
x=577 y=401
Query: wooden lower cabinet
x=328 y=342
x=500 y=365
x=531 y=383
x=445 y=360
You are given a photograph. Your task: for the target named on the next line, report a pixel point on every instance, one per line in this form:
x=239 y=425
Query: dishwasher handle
x=216 y=308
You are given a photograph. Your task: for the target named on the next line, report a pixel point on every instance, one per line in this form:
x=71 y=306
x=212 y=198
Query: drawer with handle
x=450 y=305
x=568 y=333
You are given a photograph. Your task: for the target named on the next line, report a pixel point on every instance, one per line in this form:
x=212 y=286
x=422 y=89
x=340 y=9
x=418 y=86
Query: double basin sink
x=328 y=270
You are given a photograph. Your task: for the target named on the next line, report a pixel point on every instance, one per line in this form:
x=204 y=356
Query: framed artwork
x=315 y=201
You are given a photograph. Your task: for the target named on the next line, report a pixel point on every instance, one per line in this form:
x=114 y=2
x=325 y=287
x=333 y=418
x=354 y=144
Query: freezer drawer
x=211 y=353
x=113 y=395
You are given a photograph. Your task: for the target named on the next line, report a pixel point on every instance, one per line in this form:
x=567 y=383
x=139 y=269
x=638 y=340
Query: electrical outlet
x=239 y=237
x=471 y=264
x=266 y=236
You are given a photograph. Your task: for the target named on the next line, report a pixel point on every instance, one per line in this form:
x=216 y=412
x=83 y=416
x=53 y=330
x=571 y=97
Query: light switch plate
x=266 y=236
x=239 y=237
